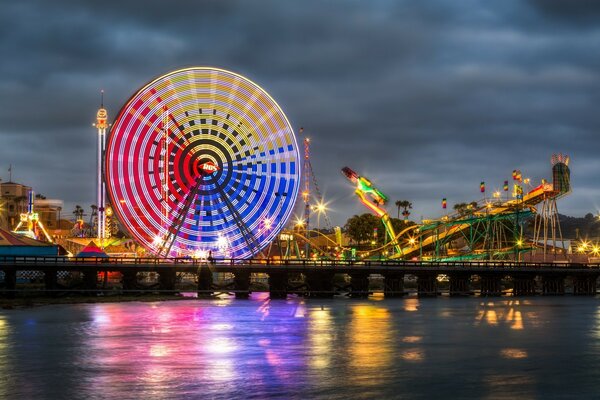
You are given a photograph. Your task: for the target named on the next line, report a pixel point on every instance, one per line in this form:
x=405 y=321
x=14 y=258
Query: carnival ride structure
x=202 y=161
x=101 y=213
x=490 y=228
x=312 y=203
x=493 y=228
x=374 y=200
x=30 y=224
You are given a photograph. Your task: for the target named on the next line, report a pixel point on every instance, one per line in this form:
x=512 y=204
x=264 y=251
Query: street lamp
x=320 y=209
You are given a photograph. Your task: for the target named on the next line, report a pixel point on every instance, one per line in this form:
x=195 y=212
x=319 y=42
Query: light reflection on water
x=302 y=348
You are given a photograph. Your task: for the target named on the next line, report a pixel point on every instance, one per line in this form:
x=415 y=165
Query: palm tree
x=78 y=212
x=406 y=205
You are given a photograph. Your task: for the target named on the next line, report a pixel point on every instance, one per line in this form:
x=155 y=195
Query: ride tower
x=101 y=124
x=30 y=224
x=306 y=192
x=547 y=231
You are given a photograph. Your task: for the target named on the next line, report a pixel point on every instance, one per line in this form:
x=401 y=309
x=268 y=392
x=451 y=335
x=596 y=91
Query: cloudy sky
x=425 y=98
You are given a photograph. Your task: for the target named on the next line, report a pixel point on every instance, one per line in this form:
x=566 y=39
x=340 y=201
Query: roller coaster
x=492 y=229
x=488 y=229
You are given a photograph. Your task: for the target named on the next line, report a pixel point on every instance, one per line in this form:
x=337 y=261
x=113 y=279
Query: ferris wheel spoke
x=175 y=228
x=241 y=152
x=247 y=234
x=179 y=129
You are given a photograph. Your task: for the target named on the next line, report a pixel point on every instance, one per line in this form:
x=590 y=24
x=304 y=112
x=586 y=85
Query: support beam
x=10 y=283
x=491 y=285
x=50 y=282
x=524 y=285
x=241 y=284
x=166 y=279
x=278 y=282
x=427 y=285
x=359 y=285
x=320 y=284
x=129 y=280
x=393 y=285
x=584 y=285
x=553 y=285
x=90 y=281
x=205 y=282
x=460 y=284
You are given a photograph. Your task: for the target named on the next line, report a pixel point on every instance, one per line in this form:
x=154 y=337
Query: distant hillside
x=586 y=227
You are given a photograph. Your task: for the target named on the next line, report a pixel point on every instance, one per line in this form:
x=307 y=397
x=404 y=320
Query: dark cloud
x=572 y=12
x=425 y=98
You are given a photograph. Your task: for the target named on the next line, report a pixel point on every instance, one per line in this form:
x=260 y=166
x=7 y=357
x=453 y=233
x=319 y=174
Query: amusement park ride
x=30 y=224
x=203 y=161
x=490 y=229
x=374 y=202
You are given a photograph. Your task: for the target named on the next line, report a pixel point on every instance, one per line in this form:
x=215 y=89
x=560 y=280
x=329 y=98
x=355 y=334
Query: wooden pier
x=321 y=278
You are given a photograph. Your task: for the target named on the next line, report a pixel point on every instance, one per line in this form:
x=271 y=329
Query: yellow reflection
x=411 y=304
x=320 y=338
x=4 y=332
x=370 y=338
x=513 y=353
x=517 y=321
x=504 y=386
x=412 y=339
x=504 y=314
x=414 y=355
x=491 y=317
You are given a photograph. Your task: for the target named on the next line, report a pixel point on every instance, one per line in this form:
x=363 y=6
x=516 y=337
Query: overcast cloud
x=426 y=98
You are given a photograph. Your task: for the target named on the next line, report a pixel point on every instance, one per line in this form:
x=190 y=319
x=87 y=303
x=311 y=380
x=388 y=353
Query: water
x=541 y=347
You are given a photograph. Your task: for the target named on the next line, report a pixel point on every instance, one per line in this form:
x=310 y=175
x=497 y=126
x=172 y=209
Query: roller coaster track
x=459 y=223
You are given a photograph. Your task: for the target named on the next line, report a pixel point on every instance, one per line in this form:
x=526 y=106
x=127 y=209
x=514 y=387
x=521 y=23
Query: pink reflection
x=146 y=345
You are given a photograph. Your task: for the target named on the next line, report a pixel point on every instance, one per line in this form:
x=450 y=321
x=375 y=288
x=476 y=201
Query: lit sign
x=209 y=167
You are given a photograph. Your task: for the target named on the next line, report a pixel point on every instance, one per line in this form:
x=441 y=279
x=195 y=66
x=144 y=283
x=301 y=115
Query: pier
x=311 y=278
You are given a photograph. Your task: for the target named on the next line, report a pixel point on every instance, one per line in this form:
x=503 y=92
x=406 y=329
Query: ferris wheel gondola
x=202 y=160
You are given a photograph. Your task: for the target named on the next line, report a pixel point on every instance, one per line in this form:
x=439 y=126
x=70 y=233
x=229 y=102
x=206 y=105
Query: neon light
x=209 y=167
x=378 y=199
x=230 y=164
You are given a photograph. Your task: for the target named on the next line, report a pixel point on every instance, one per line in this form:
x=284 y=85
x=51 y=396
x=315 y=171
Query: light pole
x=320 y=208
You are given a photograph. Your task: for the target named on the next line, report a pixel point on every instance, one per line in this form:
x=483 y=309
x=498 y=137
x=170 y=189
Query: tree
x=401 y=227
x=406 y=205
x=465 y=208
x=360 y=228
x=78 y=212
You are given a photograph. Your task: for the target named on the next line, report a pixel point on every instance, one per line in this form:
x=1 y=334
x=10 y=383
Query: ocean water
x=502 y=348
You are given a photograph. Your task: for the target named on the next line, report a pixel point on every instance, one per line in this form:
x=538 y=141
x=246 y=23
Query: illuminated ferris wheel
x=202 y=159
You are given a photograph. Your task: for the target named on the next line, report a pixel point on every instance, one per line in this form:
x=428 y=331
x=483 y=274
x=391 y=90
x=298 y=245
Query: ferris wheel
x=202 y=160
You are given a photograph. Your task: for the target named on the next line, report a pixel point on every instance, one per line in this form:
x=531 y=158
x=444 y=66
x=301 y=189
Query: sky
x=426 y=99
